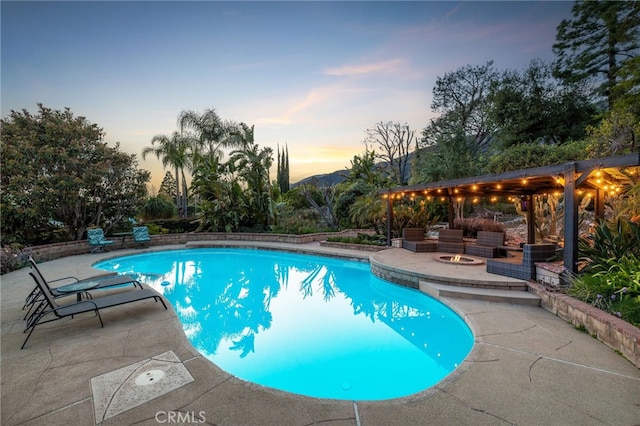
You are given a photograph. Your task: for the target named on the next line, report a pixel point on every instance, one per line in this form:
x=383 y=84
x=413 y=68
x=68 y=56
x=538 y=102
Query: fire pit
x=458 y=259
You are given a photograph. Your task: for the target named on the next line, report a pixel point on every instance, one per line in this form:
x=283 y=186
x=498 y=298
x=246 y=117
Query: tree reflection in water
x=227 y=299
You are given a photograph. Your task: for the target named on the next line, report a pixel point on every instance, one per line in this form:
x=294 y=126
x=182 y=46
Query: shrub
x=158 y=208
x=615 y=288
x=297 y=221
x=13 y=257
x=365 y=239
x=470 y=226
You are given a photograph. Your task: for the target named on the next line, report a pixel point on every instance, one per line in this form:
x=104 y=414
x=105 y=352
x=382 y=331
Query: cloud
x=391 y=65
x=310 y=104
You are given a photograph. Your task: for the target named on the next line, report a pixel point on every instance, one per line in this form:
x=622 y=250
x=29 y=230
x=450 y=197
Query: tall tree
x=252 y=165
x=531 y=106
x=173 y=151
x=283 y=170
x=594 y=44
x=59 y=177
x=168 y=185
x=460 y=97
x=392 y=144
x=211 y=132
x=452 y=157
x=627 y=90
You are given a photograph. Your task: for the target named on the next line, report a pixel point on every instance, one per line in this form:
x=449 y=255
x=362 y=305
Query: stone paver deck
x=527 y=367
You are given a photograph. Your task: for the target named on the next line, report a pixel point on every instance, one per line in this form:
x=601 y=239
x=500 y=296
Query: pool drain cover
x=149 y=377
x=128 y=387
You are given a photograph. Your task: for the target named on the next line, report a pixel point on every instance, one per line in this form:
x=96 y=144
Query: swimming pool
x=311 y=325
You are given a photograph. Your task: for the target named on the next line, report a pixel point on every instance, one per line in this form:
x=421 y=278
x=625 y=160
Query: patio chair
x=141 y=235
x=522 y=267
x=413 y=240
x=487 y=244
x=451 y=241
x=97 y=240
x=101 y=281
x=48 y=310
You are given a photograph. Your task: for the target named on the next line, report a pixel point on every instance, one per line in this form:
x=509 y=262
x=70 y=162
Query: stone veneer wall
x=71 y=248
x=363 y=247
x=612 y=331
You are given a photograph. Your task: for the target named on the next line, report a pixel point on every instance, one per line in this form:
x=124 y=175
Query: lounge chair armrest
x=65 y=278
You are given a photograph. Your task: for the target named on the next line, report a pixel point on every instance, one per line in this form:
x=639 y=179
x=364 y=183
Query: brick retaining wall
x=619 y=335
x=71 y=248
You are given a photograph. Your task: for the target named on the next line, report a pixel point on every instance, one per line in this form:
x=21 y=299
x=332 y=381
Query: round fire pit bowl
x=458 y=259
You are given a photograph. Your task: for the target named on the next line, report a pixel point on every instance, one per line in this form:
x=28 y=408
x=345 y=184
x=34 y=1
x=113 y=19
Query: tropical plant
x=158 y=207
x=615 y=288
x=211 y=133
x=610 y=240
x=368 y=211
x=174 y=152
x=252 y=165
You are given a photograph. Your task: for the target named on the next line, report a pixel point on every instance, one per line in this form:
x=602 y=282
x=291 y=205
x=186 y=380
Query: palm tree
x=253 y=166
x=211 y=133
x=173 y=151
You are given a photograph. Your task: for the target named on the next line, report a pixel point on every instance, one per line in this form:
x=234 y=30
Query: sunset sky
x=311 y=75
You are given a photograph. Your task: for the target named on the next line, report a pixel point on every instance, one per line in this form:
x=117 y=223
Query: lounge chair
x=413 y=239
x=451 y=241
x=100 y=281
x=97 y=240
x=48 y=310
x=141 y=235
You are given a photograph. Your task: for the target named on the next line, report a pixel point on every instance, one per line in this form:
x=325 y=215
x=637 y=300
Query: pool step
x=488 y=295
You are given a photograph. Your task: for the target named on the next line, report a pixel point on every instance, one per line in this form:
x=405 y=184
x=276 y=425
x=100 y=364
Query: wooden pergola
x=600 y=176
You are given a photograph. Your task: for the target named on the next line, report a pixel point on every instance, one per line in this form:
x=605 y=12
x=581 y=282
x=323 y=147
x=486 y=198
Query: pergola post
x=531 y=220
x=451 y=212
x=570 y=219
x=598 y=204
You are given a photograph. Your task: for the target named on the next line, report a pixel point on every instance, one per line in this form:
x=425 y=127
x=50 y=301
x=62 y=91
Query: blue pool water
x=310 y=325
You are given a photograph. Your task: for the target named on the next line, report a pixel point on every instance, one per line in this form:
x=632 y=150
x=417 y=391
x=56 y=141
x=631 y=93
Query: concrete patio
x=528 y=367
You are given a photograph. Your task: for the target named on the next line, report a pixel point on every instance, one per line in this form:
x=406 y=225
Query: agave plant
x=610 y=240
